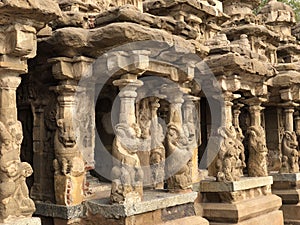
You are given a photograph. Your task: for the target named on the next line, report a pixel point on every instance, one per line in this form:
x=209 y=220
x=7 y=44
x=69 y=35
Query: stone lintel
x=243 y=184
x=285 y=177
x=59 y=211
x=152 y=200
x=24 y=221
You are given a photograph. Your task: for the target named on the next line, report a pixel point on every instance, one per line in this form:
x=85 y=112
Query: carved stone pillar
x=239 y=135
x=236 y=123
x=257 y=163
x=17 y=45
x=127 y=174
x=289 y=161
x=70 y=162
x=179 y=152
x=189 y=112
x=230 y=158
x=157 y=153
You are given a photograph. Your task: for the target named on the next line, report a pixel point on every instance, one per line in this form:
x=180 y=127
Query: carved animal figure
x=68 y=157
x=289 y=149
x=178 y=164
x=230 y=162
x=127 y=175
x=14 y=199
x=257 y=163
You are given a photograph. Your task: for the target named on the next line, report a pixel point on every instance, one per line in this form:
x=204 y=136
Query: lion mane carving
x=290 y=154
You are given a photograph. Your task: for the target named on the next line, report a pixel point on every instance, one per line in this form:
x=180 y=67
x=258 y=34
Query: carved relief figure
x=68 y=165
x=127 y=174
x=257 y=163
x=290 y=153
x=179 y=160
x=231 y=158
x=15 y=199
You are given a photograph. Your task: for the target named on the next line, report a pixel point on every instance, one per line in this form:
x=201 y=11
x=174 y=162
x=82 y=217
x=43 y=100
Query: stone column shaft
x=289 y=119
x=188 y=115
x=255 y=113
x=8 y=107
x=127 y=85
x=227 y=110
x=257 y=163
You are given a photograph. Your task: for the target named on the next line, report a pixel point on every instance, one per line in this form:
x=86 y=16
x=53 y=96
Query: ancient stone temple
x=168 y=112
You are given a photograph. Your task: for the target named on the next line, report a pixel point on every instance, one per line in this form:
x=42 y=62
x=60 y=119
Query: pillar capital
x=76 y=68
x=174 y=93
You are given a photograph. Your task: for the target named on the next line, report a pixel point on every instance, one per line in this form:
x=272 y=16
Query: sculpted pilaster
x=257 y=162
x=189 y=122
x=289 y=147
x=239 y=136
x=69 y=163
x=230 y=158
x=18 y=43
x=15 y=201
x=179 y=152
x=127 y=174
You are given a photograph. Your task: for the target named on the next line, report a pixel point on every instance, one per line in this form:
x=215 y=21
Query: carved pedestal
x=248 y=201
x=159 y=207
x=287 y=186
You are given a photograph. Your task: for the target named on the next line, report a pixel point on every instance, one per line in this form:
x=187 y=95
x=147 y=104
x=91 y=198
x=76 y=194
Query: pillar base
x=274 y=218
x=157 y=207
x=24 y=221
x=236 y=203
x=287 y=187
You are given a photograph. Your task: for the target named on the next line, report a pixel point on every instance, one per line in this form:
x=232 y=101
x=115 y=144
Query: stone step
x=236 y=212
x=192 y=220
x=271 y=218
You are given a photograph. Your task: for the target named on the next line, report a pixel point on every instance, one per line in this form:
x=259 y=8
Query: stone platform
x=245 y=202
x=157 y=207
x=287 y=187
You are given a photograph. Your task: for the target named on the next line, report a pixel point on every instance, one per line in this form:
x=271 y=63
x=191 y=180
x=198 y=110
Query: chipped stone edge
x=113 y=211
x=59 y=211
x=288 y=177
x=243 y=184
x=125 y=210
